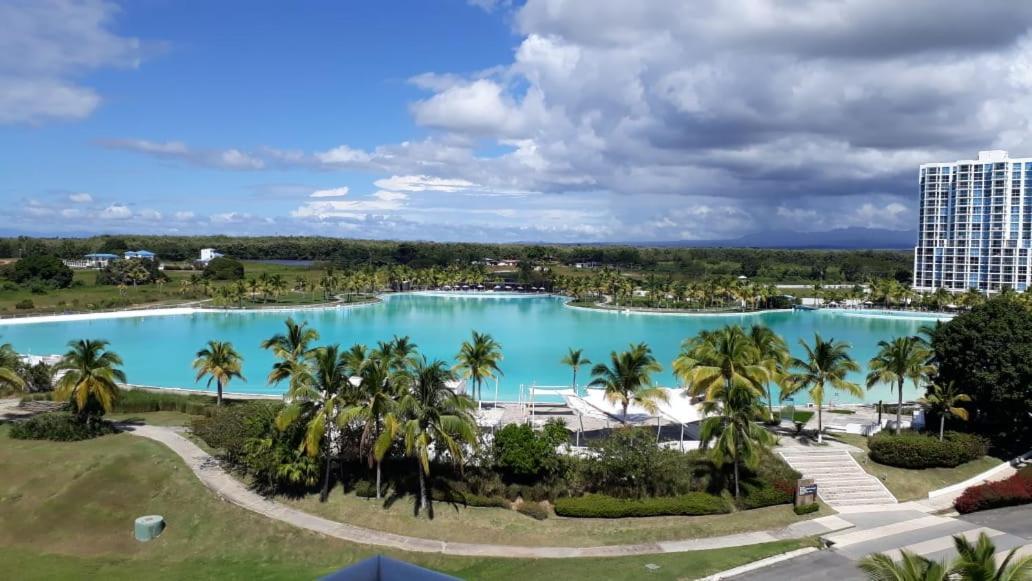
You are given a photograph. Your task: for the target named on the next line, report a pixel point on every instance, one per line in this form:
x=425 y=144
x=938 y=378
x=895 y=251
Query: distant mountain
x=843 y=238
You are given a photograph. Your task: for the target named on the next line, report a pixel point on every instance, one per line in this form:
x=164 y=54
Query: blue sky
x=552 y=120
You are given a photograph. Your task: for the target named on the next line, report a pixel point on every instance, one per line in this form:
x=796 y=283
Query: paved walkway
x=207 y=469
x=905 y=527
x=840 y=480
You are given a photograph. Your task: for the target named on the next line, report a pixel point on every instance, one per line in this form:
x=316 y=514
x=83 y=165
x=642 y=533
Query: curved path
x=207 y=469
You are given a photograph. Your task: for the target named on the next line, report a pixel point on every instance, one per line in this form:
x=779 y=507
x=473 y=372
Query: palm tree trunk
x=326 y=477
x=942 y=425
x=423 y=500
x=218 y=389
x=736 y=475
x=899 y=408
x=377 y=480
x=820 y=424
x=770 y=403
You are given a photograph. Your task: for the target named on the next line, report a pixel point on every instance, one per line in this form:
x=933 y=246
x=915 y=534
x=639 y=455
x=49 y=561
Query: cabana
x=677 y=410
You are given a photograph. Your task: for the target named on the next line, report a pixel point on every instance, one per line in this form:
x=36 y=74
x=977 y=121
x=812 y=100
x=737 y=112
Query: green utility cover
x=148 y=527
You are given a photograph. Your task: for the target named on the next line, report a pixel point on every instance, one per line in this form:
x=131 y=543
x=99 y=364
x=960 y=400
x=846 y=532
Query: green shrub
x=135 y=401
x=229 y=428
x=913 y=450
x=469 y=499
x=758 y=494
x=534 y=510
x=806 y=508
x=365 y=489
x=224 y=268
x=600 y=506
x=44 y=269
x=60 y=427
x=25 y=304
x=521 y=453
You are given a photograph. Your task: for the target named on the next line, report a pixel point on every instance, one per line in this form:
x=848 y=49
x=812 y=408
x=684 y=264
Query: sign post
x=806 y=492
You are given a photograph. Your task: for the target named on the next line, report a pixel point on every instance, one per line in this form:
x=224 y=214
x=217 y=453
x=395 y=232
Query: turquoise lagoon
x=534 y=331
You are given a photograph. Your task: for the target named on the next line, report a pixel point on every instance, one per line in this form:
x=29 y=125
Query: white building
x=975 y=224
x=208 y=254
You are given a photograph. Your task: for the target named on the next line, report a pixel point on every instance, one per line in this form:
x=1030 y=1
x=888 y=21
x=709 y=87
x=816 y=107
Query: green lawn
x=87 y=295
x=66 y=511
x=495 y=525
x=906 y=484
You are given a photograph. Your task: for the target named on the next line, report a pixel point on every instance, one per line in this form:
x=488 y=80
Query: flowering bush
x=1010 y=492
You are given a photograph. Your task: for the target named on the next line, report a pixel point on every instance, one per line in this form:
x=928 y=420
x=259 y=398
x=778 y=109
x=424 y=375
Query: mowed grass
x=907 y=484
x=458 y=523
x=67 y=510
x=79 y=298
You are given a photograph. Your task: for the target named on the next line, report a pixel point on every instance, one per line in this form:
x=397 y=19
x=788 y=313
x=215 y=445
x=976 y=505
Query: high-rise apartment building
x=975 y=225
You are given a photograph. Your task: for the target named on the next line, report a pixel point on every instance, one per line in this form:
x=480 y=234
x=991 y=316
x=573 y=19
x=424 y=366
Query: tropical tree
x=478 y=360
x=291 y=349
x=221 y=363
x=729 y=424
x=319 y=390
x=91 y=378
x=8 y=364
x=772 y=354
x=628 y=377
x=977 y=561
x=896 y=361
x=826 y=365
x=429 y=416
x=943 y=399
x=714 y=362
x=574 y=359
x=910 y=567
x=974 y=562
x=374 y=400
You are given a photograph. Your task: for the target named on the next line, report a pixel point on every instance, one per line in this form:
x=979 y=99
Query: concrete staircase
x=840 y=480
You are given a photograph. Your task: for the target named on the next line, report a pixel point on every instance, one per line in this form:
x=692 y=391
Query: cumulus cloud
x=80 y=198
x=116 y=212
x=45 y=45
x=380 y=202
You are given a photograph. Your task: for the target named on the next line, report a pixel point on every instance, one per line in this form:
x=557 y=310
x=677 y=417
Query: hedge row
x=806 y=508
x=913 y=450
x=470 y=499
x=1010 y=492
x=59 y=427
x=761 y=494
x=601 y=506
x=134 y=401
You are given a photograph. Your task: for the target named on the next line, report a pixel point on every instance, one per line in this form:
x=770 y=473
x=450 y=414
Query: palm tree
x=478 y=360
x=713 y=362
x=429 y=415
x=374 y=400
x=729 y=421
x=978 y=561
x=627 y=378
x=575 y=359
x=943 y=400
x=772 y=354
x=910 y=567
x=221 y=363
x=8 y=363
x=826 y=365
x=91 y=375
x=896 y=361
x=974 y=562
x=318 y=392
x=290 y=349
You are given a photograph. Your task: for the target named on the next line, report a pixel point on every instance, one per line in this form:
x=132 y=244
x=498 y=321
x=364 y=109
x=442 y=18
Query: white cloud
x=80 y=198
x=116 y=212
x=149 y=215
x=183 y=216
x=380 y=202
x=343 y=155
x=330 y=193
x=234 y=158
x=45 y=45
x=422 y=183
